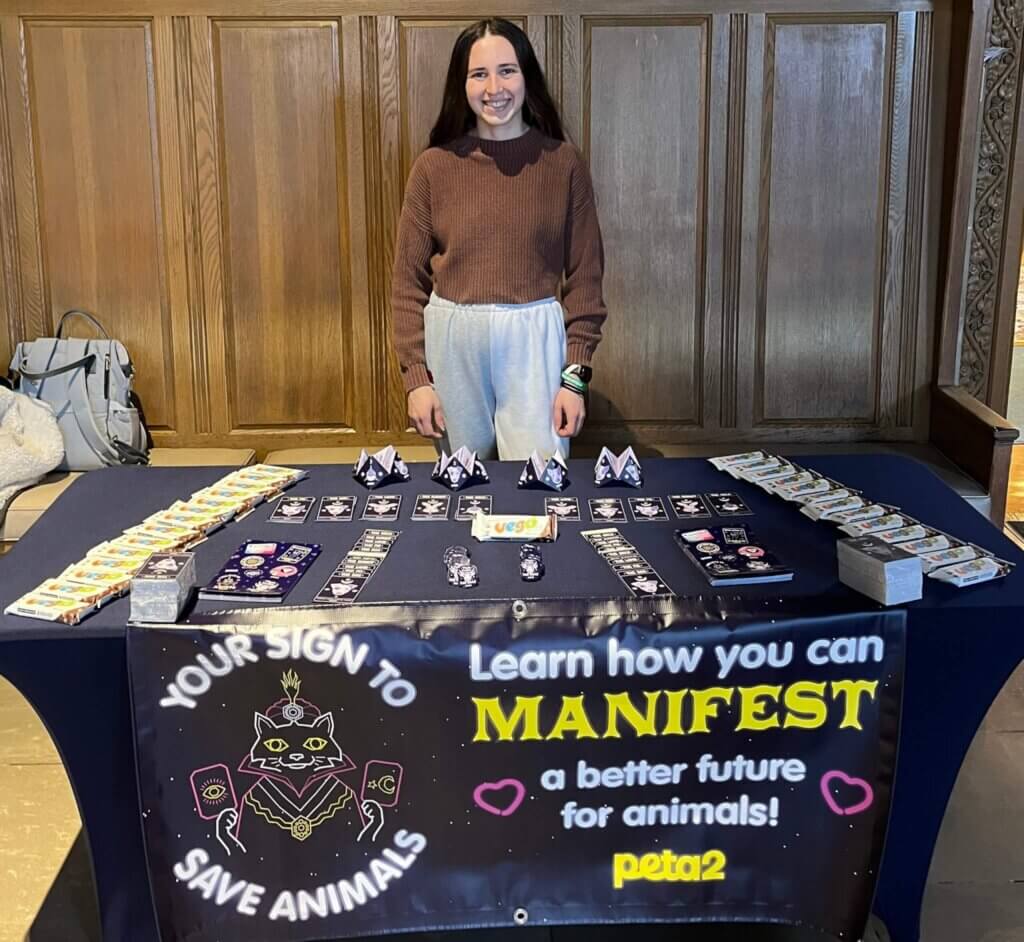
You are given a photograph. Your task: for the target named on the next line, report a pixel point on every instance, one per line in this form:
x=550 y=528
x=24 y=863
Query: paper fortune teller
x=459 y=469
x=554 y=475
x=618 y=469
x=382 y=467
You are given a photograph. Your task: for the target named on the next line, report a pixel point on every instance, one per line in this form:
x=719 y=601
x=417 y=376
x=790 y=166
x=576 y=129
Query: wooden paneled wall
x=222 y=189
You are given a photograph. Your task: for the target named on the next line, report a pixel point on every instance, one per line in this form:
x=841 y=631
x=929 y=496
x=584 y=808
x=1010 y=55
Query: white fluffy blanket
x=30 y=443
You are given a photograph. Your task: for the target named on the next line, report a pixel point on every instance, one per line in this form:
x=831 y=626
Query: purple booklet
x=261 y=571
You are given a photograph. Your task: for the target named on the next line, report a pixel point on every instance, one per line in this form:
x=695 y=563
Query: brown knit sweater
x=489 y=222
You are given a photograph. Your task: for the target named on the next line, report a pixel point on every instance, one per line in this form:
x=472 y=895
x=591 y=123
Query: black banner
x=318 y=783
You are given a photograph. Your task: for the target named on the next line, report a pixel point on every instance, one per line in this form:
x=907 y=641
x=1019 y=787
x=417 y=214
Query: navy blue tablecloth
x=961 y=644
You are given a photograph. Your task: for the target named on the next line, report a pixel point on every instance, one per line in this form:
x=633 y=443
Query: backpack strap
x=85 y=314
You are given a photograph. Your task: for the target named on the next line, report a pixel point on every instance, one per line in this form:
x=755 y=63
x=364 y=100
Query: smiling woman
x=498 y=210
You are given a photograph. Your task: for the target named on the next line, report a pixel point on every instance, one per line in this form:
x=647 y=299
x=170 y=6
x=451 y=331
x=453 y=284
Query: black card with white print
x=431 y=507
x=341 y=588
x=382 y=507
x=727 y=504
x=688 y=506
x=336 y=508
x=607 y=510
x=292 y=510
x=647 y=508
x=565 y=508
x=472 y=504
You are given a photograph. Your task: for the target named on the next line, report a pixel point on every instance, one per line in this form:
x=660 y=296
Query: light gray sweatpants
x=496 y=369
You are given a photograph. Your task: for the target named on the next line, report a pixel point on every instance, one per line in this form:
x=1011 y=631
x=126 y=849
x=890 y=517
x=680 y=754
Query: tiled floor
x=976 y=884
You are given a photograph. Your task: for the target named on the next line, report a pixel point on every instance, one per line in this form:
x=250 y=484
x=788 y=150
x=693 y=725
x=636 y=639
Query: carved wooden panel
x=816 y=329
x=94 y=126
x=287 y=309
x=224 y=189
x=651 y=191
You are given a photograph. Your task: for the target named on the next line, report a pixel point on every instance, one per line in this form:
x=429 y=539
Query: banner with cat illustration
x=312 y=783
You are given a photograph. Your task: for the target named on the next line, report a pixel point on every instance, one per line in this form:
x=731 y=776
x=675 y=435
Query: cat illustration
x=298 y=765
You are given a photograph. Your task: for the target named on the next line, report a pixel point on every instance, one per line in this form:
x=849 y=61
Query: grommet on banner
x=520 y=917
x=519 y=613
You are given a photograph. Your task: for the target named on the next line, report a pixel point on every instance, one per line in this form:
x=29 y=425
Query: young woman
x=498 y=209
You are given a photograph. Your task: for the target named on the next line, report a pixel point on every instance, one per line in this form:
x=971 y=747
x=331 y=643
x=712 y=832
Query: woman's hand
x=425 y=411
x=568 y=413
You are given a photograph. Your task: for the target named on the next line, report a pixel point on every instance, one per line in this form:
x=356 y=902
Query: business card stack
x=162 y=586
x=882 y=571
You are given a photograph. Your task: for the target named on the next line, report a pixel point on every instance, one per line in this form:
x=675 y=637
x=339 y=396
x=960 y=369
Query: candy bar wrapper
x=822 y=510
x=869 y=512
x=930 y=544
x=831 y=493
x=66 y=610
x=785 y=485
x=743 y=472
x=520 y=527
x=113 y=551
x=114 y=580
x=765 y=476
x=94 y=595
x=724 y=462
x=875 y=525
x=947 y=557
x=983 y=569
x=915 y=531
x=259 y=473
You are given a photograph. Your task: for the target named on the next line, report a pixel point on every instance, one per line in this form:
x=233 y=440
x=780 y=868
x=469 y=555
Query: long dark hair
x=456 y=117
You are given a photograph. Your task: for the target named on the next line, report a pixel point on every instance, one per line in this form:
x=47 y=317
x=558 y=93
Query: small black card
x=565 y=508
x=431 y=507
x=336 y=508
x=688 y=506
x=727 y=504
x=472 y=504
x=607 y=510
x=382 y=507
x=647 y=508
x=292 y=510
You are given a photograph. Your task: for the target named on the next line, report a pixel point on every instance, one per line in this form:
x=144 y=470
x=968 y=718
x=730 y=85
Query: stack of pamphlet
x=162 y=586
x=882 y=571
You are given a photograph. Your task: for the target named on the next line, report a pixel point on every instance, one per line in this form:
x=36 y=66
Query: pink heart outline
x=520 y=790
x=834 y=806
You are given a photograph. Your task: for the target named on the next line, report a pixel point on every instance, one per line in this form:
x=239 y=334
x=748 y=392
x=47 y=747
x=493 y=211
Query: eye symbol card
x=471 y=504
x=565 y=508
x=685 y=506
x=728 y=505
x=431 y=507
x=336 y=508
x=607 y=510
x=292 y=510
x=382 y=507
x=648 y=508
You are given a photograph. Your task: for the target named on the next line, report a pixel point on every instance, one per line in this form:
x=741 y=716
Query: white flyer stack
x=882 y=571
x=162 y=586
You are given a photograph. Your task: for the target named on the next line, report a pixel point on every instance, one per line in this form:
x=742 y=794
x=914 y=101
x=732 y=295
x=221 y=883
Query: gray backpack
x=88 y=385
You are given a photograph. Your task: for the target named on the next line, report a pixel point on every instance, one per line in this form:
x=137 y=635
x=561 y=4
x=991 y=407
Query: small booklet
x=261 y=571
x=731 y=556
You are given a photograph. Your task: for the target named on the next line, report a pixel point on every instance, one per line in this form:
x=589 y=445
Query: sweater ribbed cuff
x=414 y=375
x=579 y=351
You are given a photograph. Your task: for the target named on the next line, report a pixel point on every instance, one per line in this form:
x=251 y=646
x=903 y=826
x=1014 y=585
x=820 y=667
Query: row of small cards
x=357 y=567
x=649 y=509
x=943 y=557
x=627 y=562
x=377 y=507
x=107 y=569
x=383 y=507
